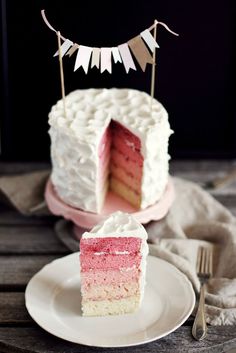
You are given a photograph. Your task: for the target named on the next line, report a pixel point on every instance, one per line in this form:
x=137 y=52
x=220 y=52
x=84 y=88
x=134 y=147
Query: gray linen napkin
x=26 y=192
x=194 y=219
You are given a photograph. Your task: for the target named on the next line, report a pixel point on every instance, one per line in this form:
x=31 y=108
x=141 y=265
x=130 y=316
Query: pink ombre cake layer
x=109 y=261
x=128 y=165
x=112 y=266
x=126 y=178
x=102 y=277
x=126 y=134
x=110 y=245
x=124 y=147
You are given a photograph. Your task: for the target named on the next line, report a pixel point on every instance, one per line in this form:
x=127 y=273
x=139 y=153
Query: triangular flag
x=64 y=47
x=149 y=40
x=116 y=55
x=83 y=57
x=140 y=52
x=126 y=57
x=106 y=60
x=95 y=57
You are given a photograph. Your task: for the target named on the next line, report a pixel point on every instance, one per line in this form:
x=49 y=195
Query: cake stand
x=86 y=220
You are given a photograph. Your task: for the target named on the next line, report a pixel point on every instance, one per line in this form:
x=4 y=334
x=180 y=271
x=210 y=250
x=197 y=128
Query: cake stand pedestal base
x=113 y=203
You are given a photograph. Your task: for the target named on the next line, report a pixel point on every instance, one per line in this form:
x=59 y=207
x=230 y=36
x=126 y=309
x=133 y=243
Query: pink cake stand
x=87 y=220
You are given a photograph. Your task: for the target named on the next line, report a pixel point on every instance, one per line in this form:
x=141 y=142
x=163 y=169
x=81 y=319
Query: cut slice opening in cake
x=121 y=164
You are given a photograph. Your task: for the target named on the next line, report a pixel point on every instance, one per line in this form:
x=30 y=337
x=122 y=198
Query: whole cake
x=109 y=139
x=113 y=264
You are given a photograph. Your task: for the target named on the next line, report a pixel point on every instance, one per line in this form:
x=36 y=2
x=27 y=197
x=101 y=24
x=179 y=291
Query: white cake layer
x=75 y=140
x=110 y=307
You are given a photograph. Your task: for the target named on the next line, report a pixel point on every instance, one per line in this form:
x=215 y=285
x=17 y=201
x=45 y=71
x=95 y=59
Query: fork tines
x=204 y=261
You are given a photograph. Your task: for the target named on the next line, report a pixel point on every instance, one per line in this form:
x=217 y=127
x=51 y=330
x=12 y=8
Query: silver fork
x=204 y=271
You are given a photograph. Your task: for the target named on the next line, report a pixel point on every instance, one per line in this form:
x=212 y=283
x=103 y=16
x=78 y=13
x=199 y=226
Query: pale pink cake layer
x=99 y=277
x=112 y=291
x=125 y=178
x=110 y=245
x=109 y=261
x=124 y=162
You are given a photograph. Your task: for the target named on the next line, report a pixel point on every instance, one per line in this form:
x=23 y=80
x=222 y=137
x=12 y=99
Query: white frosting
x=76 y=137
x=119 y=224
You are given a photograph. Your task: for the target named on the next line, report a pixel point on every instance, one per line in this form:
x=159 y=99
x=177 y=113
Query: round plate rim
x=82 y=342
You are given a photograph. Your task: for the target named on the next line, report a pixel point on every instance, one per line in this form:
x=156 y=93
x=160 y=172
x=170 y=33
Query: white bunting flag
x=126 y=57
x=116 y=55
x=96 y=57
x=64 y=47
x=106 y=60
x=149 y=40
x=83 y=58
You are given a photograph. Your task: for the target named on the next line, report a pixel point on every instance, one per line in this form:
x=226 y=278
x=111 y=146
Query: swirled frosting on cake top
x=75 y=140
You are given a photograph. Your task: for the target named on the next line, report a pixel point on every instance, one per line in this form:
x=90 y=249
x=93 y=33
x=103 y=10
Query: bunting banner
x=140 y=48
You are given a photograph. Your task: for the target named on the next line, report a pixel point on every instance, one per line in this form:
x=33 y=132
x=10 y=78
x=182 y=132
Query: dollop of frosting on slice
x=119 y=224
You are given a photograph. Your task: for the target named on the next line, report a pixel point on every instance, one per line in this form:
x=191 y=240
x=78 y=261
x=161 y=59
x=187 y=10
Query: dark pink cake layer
x=118 y=129
x=110 y=245
x=95 y=277
x=109 y=261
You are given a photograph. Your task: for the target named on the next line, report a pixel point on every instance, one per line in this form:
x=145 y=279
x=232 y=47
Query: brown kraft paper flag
x=140 y=52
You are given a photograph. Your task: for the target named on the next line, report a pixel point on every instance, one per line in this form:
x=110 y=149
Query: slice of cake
x=113 y=264
x=109 y=140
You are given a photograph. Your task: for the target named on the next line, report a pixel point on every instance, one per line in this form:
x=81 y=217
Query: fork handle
x=199 y=329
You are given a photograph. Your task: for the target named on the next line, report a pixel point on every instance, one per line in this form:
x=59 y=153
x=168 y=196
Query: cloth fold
x=25 y=192
x=197 y=219
x=194 y=219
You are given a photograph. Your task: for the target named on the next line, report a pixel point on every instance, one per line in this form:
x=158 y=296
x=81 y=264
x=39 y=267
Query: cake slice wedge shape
x=113 y=266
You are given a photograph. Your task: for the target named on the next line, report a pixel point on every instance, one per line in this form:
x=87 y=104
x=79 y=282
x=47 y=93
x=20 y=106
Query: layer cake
x=109 y=139
x=113 y=264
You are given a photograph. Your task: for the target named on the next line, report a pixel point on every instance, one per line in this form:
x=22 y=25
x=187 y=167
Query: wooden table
x=27 y=244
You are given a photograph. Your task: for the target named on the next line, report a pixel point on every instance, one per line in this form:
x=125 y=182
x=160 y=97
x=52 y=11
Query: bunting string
x=142 y=48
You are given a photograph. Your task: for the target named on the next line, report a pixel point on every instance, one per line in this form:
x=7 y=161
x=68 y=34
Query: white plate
x=53 y=301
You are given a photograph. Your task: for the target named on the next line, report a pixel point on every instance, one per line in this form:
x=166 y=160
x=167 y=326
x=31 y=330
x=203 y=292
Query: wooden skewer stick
x=153 y=65
x=61 y=72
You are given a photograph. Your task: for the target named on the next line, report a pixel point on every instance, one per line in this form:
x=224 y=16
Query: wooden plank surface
x=13 y=310
x=16 y=271
x=27 y=244
x=30 y=240
x=9 y=217
x=34 y=339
